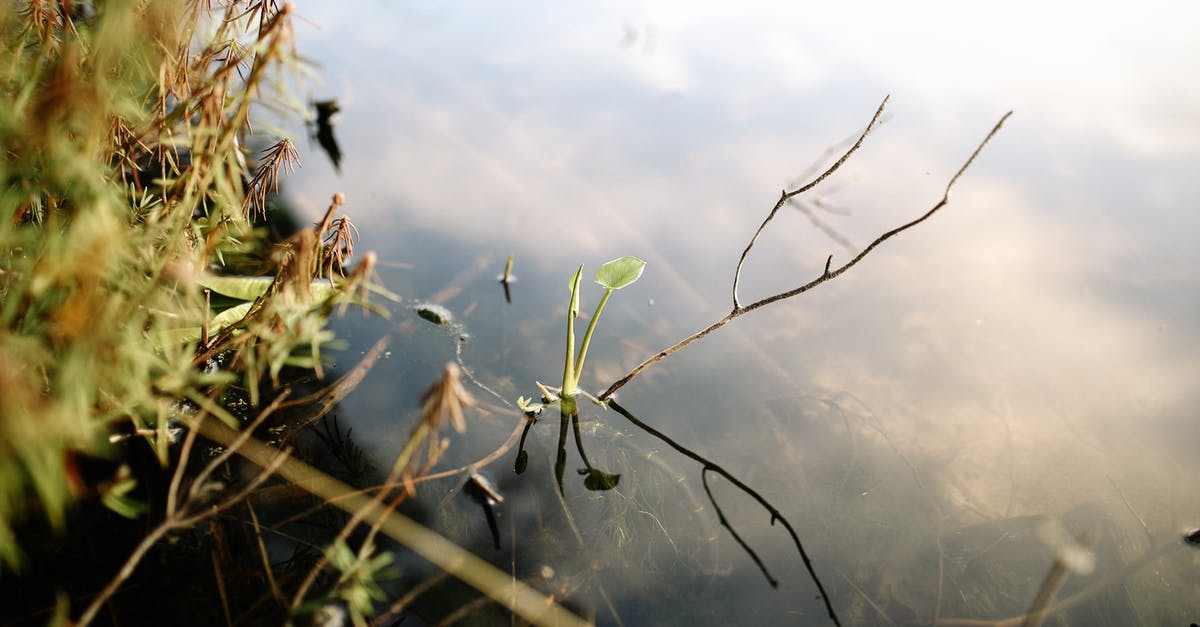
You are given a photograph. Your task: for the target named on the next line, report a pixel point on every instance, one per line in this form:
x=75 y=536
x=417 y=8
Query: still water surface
x=1030 y=354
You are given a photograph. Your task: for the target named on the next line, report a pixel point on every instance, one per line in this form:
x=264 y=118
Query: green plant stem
x=570 y=380
x=587 y=335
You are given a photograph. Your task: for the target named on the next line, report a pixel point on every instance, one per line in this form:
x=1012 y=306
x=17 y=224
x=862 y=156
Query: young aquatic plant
x=612 y=276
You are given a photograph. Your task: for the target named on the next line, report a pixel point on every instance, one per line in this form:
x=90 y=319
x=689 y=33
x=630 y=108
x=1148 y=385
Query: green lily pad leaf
x=322 y=289
x=239 y=287
x=183 y=335
x=619 y=273
x=228 y=317
x=599 y=481
x=251 y=287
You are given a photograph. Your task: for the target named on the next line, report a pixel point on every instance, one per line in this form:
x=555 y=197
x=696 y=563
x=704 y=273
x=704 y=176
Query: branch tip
x=829 y=272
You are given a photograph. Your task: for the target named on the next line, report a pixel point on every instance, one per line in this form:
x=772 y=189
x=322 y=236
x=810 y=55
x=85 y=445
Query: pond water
x=936 y=425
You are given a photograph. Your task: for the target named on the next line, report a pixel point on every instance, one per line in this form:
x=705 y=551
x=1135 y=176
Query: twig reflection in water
x=776 y=516
x=481 y=489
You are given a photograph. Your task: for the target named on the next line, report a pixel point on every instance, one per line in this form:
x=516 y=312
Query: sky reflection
x=1034 y=346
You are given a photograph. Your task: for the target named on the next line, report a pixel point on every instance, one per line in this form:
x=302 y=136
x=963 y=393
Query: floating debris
x=482 y=489
x=507 y=276
x=434 y=313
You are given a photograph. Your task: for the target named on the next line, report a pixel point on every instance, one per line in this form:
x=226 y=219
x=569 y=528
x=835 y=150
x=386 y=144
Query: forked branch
x=828 y=273
x=776 y=515
x=785 y=196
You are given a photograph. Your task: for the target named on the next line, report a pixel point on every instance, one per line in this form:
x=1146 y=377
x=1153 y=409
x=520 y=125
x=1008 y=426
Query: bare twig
x=222 y=594
x=276 y=593
x=184 y=453
x=785 y=195
x=827 y=274
x=124 y=573
x=738 y=538
x=324 y=400
x=776 y=515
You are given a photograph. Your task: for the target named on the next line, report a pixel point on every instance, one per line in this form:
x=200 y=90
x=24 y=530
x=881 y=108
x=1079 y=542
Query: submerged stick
x=827 y=274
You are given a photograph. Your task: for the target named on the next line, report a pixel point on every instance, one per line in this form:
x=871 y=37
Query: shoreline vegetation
x=140 y=159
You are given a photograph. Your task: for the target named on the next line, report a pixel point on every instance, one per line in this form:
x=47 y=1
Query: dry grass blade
x=339 y=245
x=339 y=236
x=446 y=399
x=296 y=260
x=282 y=155
x=361 y=278
x=45 y=20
